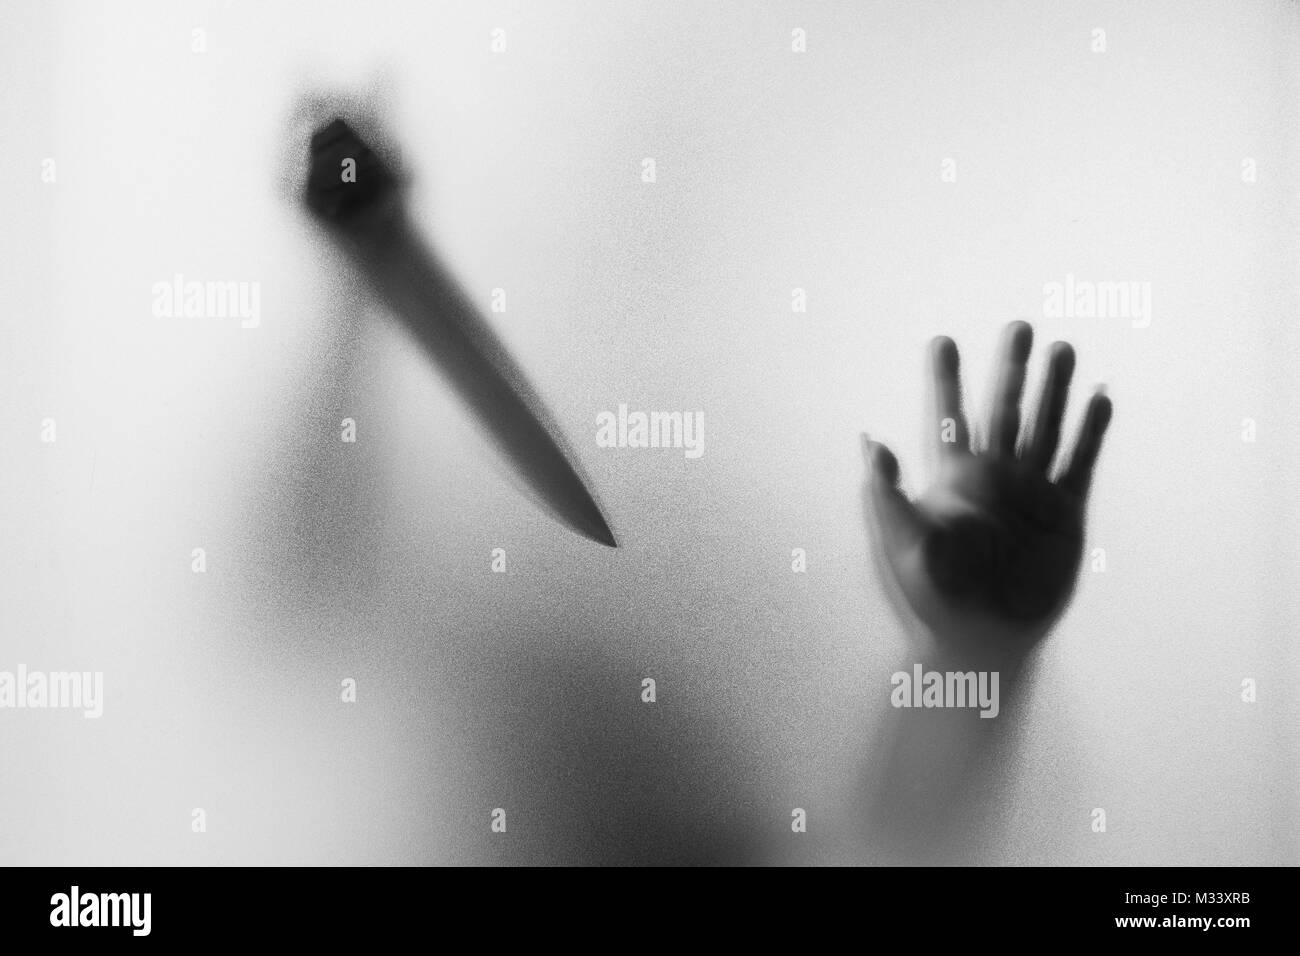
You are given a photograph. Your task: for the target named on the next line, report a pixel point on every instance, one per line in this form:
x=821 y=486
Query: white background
x=776 y=170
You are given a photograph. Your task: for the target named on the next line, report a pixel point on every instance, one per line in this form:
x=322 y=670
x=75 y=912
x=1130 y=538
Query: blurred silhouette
x=987 y=557
x=986 y=560
x=366 y=215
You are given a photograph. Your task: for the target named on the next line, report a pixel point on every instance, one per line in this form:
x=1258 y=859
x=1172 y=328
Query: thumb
x=898 y=525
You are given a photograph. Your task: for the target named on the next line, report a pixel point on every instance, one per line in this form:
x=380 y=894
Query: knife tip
x=605 y=536
x=596 y=528
x=585 y=517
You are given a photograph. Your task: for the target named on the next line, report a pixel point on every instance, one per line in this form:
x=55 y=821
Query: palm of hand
x=990 y=552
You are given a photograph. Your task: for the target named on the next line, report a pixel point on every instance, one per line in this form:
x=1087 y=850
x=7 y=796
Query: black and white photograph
x=649 y=433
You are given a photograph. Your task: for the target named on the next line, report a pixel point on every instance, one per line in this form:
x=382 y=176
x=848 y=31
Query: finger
x=951 y=426
x=1004 y=423
x=1078 y=475
x=1056 y=389
x=899 y=525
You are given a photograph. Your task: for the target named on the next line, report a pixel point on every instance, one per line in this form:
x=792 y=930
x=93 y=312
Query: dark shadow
x=591 y=775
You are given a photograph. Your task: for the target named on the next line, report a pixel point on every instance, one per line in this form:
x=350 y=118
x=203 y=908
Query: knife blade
x=365 y=214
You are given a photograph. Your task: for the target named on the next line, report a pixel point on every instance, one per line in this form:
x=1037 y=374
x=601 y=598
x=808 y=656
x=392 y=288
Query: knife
x=365 y=215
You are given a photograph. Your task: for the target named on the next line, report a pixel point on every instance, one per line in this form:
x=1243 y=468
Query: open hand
x=987 y=557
